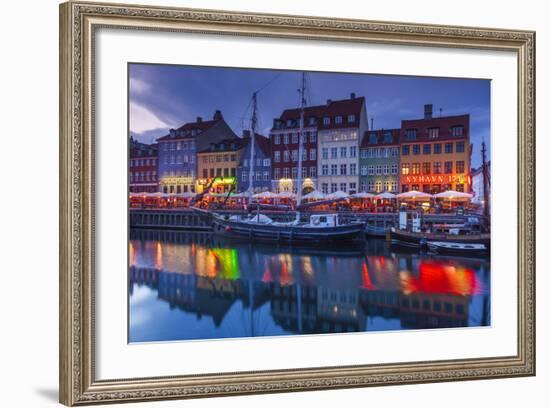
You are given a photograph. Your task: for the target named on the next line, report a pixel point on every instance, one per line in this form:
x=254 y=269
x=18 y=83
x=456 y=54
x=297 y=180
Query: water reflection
x=193 y=286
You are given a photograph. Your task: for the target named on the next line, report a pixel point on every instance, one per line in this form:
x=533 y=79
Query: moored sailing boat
x=319 y=227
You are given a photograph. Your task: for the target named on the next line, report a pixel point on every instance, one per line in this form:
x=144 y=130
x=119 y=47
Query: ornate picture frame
x=78 y=24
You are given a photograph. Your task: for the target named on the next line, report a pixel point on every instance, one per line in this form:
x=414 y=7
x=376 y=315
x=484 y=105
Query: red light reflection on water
x=442 y=278
x=367 y=283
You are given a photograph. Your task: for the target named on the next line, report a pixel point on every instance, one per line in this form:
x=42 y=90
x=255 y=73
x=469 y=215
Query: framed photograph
x=256 y=203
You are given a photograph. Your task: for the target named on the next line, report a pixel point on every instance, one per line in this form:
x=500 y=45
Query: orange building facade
x=435 y=153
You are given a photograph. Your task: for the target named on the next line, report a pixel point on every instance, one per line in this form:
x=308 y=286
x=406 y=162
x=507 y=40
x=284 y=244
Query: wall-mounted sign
x=439 y=178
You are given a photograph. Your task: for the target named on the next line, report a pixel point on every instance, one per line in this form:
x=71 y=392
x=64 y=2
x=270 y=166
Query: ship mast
x=300 y=146
x=252 y=147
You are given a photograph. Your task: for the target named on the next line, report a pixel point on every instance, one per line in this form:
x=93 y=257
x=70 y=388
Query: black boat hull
x=278 y=233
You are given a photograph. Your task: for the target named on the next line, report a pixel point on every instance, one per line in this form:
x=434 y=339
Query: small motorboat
x=459 y=248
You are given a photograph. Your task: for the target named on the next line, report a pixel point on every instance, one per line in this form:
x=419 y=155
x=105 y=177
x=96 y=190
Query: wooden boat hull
x=460 y=249
x=423 y=238
x=277 y=233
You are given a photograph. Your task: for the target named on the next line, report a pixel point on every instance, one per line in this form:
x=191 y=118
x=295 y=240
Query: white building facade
x=339 y=139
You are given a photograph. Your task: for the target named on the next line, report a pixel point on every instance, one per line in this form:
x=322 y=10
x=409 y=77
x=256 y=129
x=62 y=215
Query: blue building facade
x=177 y=152
x=262 y=165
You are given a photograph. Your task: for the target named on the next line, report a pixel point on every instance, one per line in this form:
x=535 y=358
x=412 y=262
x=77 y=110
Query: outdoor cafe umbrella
x=314 y=195
x=385 y=196
x=265 y=194
x=451 y=194
x=413 y=195
x=363 y=194
x=337 y=195
x=286 y=194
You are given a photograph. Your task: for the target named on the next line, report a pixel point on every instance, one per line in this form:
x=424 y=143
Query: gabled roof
x=225 y=145
x=263 y=144
x=380 y=136
x=342 y=108
x=202 y=126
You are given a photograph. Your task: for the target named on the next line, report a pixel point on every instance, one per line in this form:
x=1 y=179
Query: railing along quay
x=186 y=219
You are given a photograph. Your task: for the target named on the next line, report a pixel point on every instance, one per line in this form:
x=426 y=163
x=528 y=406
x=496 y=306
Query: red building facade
x=143 y=163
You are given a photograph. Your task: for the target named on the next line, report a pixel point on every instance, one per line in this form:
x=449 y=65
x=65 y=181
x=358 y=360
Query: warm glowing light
x=158 y=255
x=367 y=283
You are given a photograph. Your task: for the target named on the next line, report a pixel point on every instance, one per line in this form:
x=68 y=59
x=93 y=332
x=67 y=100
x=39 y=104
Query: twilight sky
x=167 y=96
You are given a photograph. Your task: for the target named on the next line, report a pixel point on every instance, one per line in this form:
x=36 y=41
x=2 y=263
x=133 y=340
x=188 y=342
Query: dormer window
x=410 y=134
x=387 y=137
x=457 y=131
x=338 y=120
x=351 y=118
x=373 y=138
x=312 y=120
x=289 y=123
x=326 y=120
x=433 y=133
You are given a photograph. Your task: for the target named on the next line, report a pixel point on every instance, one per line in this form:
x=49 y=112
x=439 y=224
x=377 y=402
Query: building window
x=433 y=133
x=324 y=188
x=338 y=120
x=415 y=187
x=343 y=152
x=460 y=147
x=394 y=169
x=404 y=188
x=459 y=167
x=353 y=151
x=364 y=170
x=295 y=172
x=352 y=169
x=333 y=169
x=378 y=170
x=351 y=118
x=386 y=186
x=277 y=157
x=457 y=131
x=277 y=139
x=405 y=169
x=410 y=134
x=333 y=187
x=304 y=154
x=277 y=173
x=386 y=169
x=459 y=187
x=437 y=167
x=244 y=175
x=304 y=172
x=266 y=175
x=379 y=152
x=313 y=171
x=371 y=170
x=448 y=167
x=294 y=137
x=343 y=170
x=395 y=151
x=324 y=169
x=286 y=172
x=427 y=149
x=416 y=168
x=267 y=162
x=426 y=168
x=448 y=148
x=378 y=186
x=370 y=153
x=370 y=186
x=313 y=137
x=324 y=153
x=352 y=188
x=393 y=186
x=205 y=173
x=326 y=120
x=295 y=155
x=333 y=152
x=343 y=187
x=373 y=138
x=312 y=154
x=286 y=156
x=285 y=139
x=437 y=148
x=416 y=149
x=405 y=150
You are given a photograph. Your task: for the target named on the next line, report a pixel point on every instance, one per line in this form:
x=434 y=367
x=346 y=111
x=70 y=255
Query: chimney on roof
x=428 y=110
x=329 y=101
x=199 y=119
x=218 y=115
x=172 y=132
x=246 y=134
x=352 y=95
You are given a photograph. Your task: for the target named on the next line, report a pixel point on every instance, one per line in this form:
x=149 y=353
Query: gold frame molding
x=78 y=22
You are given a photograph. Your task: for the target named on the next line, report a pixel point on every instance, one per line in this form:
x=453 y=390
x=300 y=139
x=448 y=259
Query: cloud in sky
x=142 y=119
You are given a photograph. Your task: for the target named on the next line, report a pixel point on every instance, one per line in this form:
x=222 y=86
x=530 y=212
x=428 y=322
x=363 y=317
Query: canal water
x=186 y=286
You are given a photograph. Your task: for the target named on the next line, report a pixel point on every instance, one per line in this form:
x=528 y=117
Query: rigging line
x=269 y=82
